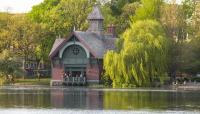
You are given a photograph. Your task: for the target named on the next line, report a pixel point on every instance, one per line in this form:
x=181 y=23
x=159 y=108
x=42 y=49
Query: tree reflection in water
x=157 y=100
x=97 y=99
x=24 y=98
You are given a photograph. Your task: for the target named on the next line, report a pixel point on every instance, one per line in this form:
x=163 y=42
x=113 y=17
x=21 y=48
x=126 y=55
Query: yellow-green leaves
x=143 y=57
x=149 y=9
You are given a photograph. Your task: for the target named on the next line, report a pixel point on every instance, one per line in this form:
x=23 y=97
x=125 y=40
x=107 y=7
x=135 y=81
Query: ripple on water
x=63 y=111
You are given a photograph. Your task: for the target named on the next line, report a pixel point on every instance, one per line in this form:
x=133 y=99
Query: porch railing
x=74 y=81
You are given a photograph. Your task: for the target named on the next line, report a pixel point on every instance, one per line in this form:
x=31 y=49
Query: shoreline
x=85 y=88
x=46 y=83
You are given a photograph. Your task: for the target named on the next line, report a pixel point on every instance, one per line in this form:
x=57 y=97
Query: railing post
x=84 y=81
x=79 y=80
x=72 y=80
x=67 y=81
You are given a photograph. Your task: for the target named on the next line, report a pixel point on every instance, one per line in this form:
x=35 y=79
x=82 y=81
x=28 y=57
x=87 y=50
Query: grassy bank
x=45 y=81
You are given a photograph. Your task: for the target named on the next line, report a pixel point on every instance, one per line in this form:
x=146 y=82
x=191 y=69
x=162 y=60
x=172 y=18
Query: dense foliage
x=58 y=18
x=152 y=32
x=149 y=9
x=190 y=62
x=143 y=58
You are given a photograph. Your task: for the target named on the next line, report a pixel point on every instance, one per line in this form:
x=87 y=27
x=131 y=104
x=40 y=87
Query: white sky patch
x=177 y=1
x=18 y=6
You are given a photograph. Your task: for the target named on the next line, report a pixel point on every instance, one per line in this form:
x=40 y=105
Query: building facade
x=81 y=54
x=33 y=68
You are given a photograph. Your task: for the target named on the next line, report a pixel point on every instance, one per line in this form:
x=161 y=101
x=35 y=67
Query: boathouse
x=80 y=56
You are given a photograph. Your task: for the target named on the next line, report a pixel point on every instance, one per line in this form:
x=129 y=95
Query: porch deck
x=74 y=81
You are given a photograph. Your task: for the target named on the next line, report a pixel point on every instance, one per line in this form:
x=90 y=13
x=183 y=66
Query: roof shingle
x=95 y=14
x=56 y=44
x=97 y=44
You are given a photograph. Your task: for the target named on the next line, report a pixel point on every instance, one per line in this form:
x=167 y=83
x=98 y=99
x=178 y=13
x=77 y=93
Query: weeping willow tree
x=143 y=57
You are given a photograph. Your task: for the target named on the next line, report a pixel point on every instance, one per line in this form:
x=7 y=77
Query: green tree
x=117 y=6
x=58 y=18
x=143 y=57
x=196 y=18
x=22 y=38
x=40 y=13
x=25 y=36
x=176 y=20
x=9 y=67
x=108 y=17
x=190 y=62
x=118 y=12
x=149 y=9
x=5 y=21
x=124 y=19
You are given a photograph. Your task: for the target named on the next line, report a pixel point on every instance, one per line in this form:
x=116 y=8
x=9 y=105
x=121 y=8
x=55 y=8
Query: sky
x=18 y=6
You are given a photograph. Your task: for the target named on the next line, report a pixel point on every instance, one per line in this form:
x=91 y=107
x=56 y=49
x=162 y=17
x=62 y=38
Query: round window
x=75 y=50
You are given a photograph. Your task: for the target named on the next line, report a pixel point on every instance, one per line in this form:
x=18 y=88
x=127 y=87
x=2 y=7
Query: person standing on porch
x=65 y=75
x=81 y=75
x=70 y=75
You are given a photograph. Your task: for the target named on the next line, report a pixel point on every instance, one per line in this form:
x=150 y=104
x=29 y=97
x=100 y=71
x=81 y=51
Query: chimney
x=111 y=30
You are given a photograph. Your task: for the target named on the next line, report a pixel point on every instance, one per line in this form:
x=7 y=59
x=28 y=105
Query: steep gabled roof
x=95 y=14
x=109 y=43
x=92 y=41
x=97 y=44
x=56 y=44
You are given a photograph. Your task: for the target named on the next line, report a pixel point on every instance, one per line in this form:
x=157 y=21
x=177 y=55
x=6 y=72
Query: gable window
x=75 y=50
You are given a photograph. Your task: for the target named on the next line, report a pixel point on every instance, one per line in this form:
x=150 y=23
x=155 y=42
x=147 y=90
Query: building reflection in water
x=76 y=99
x=87 y=98
x=57 y=96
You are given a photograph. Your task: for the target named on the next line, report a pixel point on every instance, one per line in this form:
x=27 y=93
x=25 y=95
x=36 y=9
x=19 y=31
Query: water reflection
x=152 y=100
x=81 y=99
x=14 y=98
x=98 y=99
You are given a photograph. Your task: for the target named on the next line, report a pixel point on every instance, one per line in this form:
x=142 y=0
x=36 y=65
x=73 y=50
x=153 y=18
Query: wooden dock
x=74 y=81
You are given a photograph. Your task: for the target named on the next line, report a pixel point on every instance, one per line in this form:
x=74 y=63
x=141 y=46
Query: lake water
x=68 y=100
